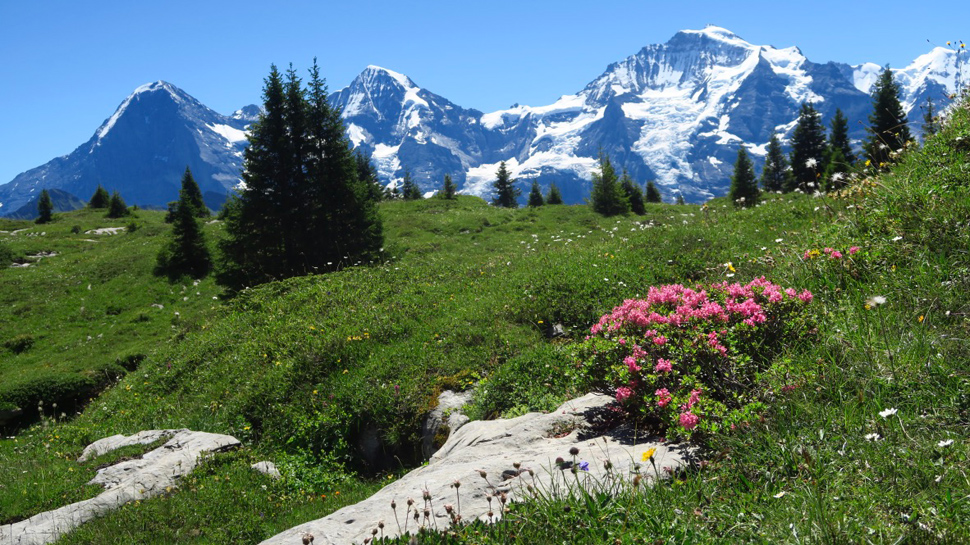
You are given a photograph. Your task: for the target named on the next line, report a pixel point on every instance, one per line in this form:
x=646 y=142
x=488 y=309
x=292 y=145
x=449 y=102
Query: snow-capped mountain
x=142 y=151
x=674 y=112
x=936 y=75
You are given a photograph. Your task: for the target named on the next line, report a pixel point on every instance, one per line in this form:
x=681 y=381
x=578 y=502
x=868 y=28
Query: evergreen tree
x=448 y=191
x=839 y=139
x=194 y=195
x=633 y=194
x=680 y=199
x=931 y=122
x=652 y=194
x=607 y=196
x=888 y=129
x=506 y=194
x=535 y=196
x=303 y=208
x=775 y=172
x=100 y=199
x=186 y=253
x=836 y=174
x=808 y=150
x=554 y=197
x=409 y=189
x=117 y=207
x=744 y=186
x=367 y=174
x=45 y=207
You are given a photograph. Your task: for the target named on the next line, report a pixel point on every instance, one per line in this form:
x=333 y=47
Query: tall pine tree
x=45 y=207
x=775 y=172
x=652 y=194
x=633 y=194
x=186 y=254
x=449 y=189
x=193 y=194
x=506 y=194
x=931 y=121
x=535 y=195
x=607 y=196
x=839 y=138
x=409 y=189
x=554 y=197
x=744 y=186
x=888 y=128
x=303 y=208
x=808 y=150
x=367 y=174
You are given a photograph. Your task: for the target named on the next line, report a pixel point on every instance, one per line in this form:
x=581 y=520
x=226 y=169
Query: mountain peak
x=373 y=72
x=718 y=34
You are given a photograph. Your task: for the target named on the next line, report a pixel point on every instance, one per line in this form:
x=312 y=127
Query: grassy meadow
x=866 y=444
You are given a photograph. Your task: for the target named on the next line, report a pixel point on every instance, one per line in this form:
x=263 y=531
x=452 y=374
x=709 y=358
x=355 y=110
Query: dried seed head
x=449 y=508
x=636 y=481
x=373 y=532
x=608 y=464
x=482 y=474
x=380 y=524
x=410 y=502
x=560 y=461
x=426 y=494
x=456 y=484
x=393 y=504
x=516 y=465
x=574 y=451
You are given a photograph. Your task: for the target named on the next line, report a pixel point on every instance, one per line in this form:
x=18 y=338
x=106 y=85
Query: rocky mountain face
x=142 y=150
x=674 y=113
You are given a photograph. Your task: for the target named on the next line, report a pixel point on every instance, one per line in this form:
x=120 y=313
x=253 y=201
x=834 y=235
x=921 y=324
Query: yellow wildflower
x=648 y=454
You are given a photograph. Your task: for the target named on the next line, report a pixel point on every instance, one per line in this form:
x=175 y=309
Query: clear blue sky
x=66 y=65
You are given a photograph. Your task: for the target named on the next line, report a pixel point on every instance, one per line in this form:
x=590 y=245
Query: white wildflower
x=946 y=443
x=873 y=437
x=876 y=300
x=887 y=413
x=811 y=163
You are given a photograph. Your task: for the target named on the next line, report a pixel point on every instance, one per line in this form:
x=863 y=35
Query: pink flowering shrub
x=692 y=359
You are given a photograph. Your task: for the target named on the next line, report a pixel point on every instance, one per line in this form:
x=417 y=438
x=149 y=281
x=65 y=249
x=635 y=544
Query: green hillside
x=468 y=294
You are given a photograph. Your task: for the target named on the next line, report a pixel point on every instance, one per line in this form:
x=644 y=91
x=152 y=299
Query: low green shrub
x=19 y=344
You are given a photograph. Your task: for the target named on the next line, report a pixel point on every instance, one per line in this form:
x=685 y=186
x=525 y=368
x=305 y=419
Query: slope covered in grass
x=865 y=443
x=87 y=309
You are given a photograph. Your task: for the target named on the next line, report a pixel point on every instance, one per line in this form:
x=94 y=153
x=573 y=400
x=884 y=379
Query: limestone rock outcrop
x=154 y=473
x=505 y=451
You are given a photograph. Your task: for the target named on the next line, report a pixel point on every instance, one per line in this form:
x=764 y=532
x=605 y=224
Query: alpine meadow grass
x=846 y=423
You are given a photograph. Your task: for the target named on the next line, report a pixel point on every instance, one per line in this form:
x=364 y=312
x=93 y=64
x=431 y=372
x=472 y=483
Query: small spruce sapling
x=100 y=198
x=117 y=207
x=554 y=197
x=535 y=196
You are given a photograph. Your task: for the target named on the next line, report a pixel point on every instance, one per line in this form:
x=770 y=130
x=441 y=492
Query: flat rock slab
x=124 y=482
x=533 y=441
x=105 y=231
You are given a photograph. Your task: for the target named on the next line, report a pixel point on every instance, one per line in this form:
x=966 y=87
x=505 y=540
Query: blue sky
x=66 y=65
